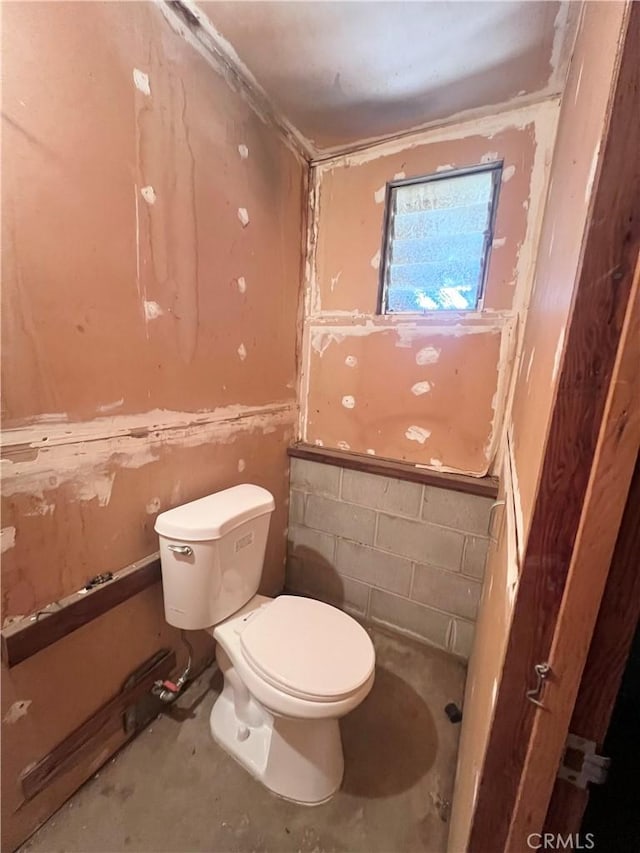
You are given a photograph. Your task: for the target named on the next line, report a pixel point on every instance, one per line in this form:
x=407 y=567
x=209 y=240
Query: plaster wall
x=576 y=158
x=151 y=266
x=426 y=388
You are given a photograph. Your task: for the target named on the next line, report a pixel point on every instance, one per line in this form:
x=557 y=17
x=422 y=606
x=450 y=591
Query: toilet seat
x=307 y=649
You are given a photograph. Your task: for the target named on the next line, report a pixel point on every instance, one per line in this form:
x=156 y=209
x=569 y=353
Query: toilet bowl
x=292 y=666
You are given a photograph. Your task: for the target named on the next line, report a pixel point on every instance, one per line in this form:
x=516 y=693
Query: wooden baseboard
x=20 y=640
x=484 y=486
x=94 y=731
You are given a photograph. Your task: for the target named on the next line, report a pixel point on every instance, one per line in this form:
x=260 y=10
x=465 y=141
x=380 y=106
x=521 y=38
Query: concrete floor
x=174 y=789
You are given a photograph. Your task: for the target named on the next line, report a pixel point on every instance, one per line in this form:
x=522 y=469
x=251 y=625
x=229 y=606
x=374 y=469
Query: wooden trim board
x=593 y=335
x=25 y=638
x=602 y=295
x=96 y=729
x=595 y=543
x=603 y=673
x=484 y=486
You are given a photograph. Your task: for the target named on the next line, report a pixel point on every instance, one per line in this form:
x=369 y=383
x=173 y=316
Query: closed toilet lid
x=308 y=649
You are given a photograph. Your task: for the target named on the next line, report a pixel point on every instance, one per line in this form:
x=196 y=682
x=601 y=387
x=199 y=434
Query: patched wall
x=398 y=553
x=151 y=268
x=427 y=388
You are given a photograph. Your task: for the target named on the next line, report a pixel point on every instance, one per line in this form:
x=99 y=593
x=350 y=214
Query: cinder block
x=323 y=583
x=315 y=477
x=475 y=556
x=342 y=519
x=409 y=616
x=310 y=544
x=296 y=507
x=461 y=638
x=469 y=513
x=446 y=591
x=424 y=543
x=373 y=567
x=393 y=496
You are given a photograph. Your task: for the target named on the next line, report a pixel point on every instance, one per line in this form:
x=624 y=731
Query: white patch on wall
x=445 y=167
x=242 y=352
x=351 y=361
x=98 y=486
x=86 y=455
x=489 y=157
x=141 y=81
x=176 y=493
x=152 y=310
x=241 y=465
x=508 y=173
x=417 y=433
x=42 y=508
x=342 y=445
x=592 y=174
x=380 y=193
x=399 y=176
x=558 y=356
x=18 y=710
x=371 y=451
x=321 y=339
x=498 y=242
x=348 y=401
x=7 y=539
x=533 y=352
x=319 y=442
x=242 y=284
x=243 y=216
x=335 y=279
x=243 y=151
x=375 y=260
x=148 y=194
x=575 y=97
x=427 y=355
x=436 y=463
x=421 y=388
x=109 y=407
x=153 y=506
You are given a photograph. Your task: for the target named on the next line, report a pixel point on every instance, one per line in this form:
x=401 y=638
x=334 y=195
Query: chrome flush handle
x=185 y=550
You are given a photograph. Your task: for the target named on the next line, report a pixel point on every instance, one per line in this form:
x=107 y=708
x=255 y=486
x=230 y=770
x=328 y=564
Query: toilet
x=292 y=666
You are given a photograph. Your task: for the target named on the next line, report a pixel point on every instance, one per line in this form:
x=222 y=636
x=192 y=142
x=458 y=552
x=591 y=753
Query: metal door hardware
x=542 y=671
x=581 y=763
x=185 y=550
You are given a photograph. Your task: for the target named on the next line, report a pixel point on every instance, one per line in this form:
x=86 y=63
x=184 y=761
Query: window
x=437 y=236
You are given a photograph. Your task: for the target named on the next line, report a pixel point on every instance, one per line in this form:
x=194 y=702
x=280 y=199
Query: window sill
x=484 y=486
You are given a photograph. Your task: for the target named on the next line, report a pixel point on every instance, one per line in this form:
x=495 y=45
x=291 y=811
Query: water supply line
x=168 y=691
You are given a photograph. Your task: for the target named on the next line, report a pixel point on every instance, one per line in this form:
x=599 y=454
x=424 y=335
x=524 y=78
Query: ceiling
x=345 y=72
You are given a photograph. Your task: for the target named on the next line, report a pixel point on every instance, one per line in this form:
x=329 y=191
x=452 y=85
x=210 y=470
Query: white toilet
x=292 y=666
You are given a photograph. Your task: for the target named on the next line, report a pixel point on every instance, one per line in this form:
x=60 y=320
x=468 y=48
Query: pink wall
x=429 y=388
x=149 y=337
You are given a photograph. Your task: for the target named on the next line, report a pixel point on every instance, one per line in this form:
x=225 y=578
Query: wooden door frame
x=613 y=636
x=609 y=256
x=600 y=522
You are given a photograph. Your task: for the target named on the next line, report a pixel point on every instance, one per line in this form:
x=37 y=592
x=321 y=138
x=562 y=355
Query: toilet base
x=300 y=760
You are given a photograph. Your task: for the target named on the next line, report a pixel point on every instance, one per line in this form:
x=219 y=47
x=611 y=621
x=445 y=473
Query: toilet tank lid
x=215 y=515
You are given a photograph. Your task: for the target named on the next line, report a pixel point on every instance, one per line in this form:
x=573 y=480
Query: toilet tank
x=212 y=552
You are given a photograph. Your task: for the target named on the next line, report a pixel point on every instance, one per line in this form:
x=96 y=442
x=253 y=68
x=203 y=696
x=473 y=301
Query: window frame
x=495 y=167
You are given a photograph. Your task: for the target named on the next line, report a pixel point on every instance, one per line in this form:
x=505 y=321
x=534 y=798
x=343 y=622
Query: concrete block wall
x=408 y=556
